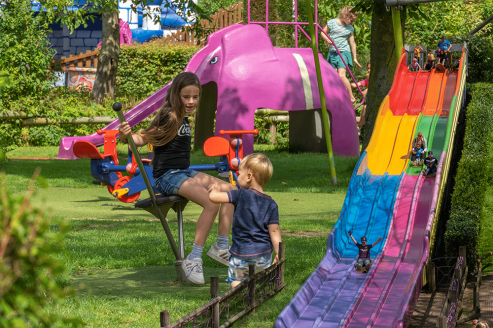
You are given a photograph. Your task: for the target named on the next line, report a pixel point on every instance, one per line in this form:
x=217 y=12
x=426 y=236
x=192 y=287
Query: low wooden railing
x=223 y=310
x=452 y=307
x=475 y=313
x=88 y=59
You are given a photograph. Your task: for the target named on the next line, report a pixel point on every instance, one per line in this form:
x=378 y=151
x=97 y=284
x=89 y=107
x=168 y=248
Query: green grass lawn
x=120 y=262
x=119 y=259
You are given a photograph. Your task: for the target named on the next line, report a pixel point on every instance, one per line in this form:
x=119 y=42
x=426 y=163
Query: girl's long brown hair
x=172 y=111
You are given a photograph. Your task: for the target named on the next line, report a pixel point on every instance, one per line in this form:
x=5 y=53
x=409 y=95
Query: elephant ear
x=247 y=40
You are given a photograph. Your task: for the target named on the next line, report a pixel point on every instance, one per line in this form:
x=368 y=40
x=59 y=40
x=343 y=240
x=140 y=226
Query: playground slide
x=133 y=117
x=382 y=298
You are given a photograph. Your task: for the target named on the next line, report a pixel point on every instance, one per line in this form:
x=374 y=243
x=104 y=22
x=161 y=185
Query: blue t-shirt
x=418 y=152
x=254 y=212
x=443 y=45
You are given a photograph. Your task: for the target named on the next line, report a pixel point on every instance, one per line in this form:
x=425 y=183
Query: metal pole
x=325 y=116
x=480 y=26
x=117 y=107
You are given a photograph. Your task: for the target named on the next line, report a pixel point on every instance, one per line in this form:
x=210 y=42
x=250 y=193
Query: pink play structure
x=125 y=33
x=241 y=71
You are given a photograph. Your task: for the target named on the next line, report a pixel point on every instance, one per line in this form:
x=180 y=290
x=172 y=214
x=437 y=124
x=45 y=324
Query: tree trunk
x=384 y=58
x=104 y=84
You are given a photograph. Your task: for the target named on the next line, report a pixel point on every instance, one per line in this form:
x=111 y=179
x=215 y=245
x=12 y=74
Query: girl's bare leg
x=196 y=188
x=342 y=74
x=194 y=191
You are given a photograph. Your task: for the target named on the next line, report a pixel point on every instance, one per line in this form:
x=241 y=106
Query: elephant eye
x=214 y=60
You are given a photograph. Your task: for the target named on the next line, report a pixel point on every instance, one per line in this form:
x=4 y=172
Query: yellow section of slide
x=379 y=151
x=402 y=146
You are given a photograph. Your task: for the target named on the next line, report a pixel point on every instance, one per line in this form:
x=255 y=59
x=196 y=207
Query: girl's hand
x=124 y=131
x=276 y=259
x=357 y=63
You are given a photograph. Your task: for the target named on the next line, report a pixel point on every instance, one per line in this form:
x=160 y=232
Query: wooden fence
x=88 y=59
x=476 y=308
x=223 y=310
x=224 y=17
x=452 y=307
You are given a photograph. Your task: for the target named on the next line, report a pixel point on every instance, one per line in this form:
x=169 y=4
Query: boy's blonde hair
x=260 y=166
x=346 y=13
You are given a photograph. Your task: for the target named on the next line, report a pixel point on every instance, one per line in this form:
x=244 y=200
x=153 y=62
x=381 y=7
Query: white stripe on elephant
x=305 y=78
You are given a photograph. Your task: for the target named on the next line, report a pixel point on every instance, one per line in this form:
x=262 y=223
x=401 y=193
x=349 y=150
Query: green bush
x=145 y=68
x=210 y=7
x=57 y=103
x=28 y=266
x=480 y=55
x=473 y=173
x=25 y=54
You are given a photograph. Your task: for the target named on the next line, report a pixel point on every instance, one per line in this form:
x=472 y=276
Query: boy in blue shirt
x=256 y=230
x=416 y=159
x=443 y=50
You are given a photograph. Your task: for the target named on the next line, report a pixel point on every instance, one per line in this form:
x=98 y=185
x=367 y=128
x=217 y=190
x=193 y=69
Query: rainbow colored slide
x=386 y=198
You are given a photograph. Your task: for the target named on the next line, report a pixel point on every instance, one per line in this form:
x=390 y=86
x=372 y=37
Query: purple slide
x=386 y=298
x=133 y=117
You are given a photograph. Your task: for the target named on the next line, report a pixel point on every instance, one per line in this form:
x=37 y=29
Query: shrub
x=473 y=172
x=28 y=267
x=210 y=7
x=480 y=56
x=25 y=54
x=145 y=68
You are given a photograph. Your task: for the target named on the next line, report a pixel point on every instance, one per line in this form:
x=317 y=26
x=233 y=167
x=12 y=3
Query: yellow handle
x=231 y=178
x=120 y=192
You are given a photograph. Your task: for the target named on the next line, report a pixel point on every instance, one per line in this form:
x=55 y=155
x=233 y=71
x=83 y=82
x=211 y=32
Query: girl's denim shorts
x=170 y=182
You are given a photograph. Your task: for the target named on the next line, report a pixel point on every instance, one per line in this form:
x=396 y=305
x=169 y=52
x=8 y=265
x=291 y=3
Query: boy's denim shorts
x=170 y=182
x=238 y=268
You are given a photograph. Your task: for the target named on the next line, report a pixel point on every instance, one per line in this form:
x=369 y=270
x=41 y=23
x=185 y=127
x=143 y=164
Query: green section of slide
x=440 y=137
x=425 y=125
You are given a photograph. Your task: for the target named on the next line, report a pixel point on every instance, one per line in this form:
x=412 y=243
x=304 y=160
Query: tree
x=25 y=54
x=384 y=58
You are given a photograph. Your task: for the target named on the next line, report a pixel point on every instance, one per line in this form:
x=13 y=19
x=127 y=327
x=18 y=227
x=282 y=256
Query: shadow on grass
x=146 y=281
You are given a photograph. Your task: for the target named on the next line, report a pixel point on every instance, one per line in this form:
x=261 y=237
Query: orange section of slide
x=433 y=94
x=442 y=92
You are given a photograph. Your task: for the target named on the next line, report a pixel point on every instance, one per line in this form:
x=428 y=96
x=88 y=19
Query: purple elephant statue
x=240 y=71
x=249 y=73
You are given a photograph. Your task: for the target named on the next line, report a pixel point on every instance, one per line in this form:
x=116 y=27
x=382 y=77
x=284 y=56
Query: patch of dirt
x=171 y=283
x=304 y=233
x=94 y=226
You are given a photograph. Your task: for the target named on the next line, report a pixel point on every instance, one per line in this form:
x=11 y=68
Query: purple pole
x=296 y=23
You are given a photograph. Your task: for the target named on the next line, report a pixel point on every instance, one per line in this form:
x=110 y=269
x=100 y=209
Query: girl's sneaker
x=193 y=270
x=220 y=255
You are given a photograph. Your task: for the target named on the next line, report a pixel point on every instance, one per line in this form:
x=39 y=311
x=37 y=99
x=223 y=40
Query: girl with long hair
x=171 y=137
